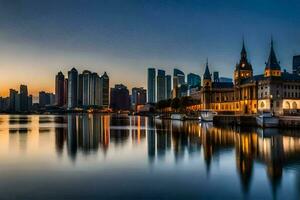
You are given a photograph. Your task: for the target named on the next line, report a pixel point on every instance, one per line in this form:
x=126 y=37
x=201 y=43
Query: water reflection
x=162 y=142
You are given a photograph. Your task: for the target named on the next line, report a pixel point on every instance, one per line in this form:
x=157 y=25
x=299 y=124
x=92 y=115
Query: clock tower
x=243 y=69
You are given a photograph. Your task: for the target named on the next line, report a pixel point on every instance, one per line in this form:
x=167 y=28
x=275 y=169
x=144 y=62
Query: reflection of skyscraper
x=59 y=140
x=105 y=132
x=72 y=136
x=161 y=85
x=72 y=88
x=151 y=85
x=151 y=138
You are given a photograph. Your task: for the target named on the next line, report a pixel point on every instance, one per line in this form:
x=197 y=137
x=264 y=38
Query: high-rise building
x=23 y=98
x=72 y=88
x=193 y=80
x=66 y=92
x=94 y=90
x=296 y=64
x=216 y=76
x=80 y=90
x=30 y=102
x=104 y=90
x=168 y=85
x=59 y=89
x=161 y=85
x=151 y=86
x=18 y=103
x=119 y=98
x=180 y=76
x=86 y=76
x=183 y=90
x=138 y=96
x=44 y=98
x=178 y=79
x=12 y=100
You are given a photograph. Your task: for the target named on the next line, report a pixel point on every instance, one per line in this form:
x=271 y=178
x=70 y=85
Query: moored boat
x=267 y=120
x=207 y=115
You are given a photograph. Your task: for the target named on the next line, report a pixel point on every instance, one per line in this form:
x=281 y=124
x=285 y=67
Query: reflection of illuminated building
x=151 y=138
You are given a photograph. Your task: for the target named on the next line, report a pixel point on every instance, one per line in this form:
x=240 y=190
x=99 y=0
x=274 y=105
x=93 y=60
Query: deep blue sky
x=124 y=37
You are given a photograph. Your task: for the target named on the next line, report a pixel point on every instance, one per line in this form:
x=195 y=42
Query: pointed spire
x=243 y=52
x=207 y=75
x=272 y=62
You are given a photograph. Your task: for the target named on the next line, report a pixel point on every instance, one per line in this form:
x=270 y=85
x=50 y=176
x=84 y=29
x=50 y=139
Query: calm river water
x=110 y=157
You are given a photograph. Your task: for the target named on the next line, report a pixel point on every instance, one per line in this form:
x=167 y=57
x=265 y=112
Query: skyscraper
x=66 y=92
x=12 y=100
x=44 y=98
x=138 y=96
x=119 y=98
x=178 y=79
x=104 y=90
x=161 y=85
x=193 y=80
x=168 y=80
x=23 y=98
x=72 y=88
x=296 y=64
x=80 y=90
x=86 y=76
x=30 y=102
x=151 y=86
x=59 y=89
x=94 y=90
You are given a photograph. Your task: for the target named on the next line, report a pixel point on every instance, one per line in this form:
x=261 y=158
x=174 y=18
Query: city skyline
x=118 y=37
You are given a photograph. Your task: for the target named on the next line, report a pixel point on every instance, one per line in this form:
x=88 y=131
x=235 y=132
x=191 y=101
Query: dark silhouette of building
x=119 y=98
x=23 y=98
x=44 y=98
x=138 y=96
x=59 y=89
x=151 y=85
x=296 y=64
x=12 y=100
x=161 y=85
x=72 y=88
x=104 y=90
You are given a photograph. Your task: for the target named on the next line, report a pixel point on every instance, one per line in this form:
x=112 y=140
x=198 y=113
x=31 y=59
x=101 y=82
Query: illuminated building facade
x=275 y=90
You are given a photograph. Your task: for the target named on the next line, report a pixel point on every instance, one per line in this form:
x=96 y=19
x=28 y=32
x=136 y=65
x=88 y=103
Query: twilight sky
x=38 y=38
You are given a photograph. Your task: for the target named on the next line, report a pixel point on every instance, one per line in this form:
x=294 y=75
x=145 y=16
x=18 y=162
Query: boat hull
x=267 y=122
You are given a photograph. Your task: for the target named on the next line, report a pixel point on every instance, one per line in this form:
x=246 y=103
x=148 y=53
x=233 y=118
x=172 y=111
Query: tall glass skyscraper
x=178 y=79
x=193 y=80
x=104 y=90
x=72 y=88
x=151 y=85
x=161 y=85
x=59 y=89
x=168 y=86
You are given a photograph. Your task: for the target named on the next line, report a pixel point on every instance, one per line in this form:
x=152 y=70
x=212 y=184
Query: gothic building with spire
x=275 y=90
